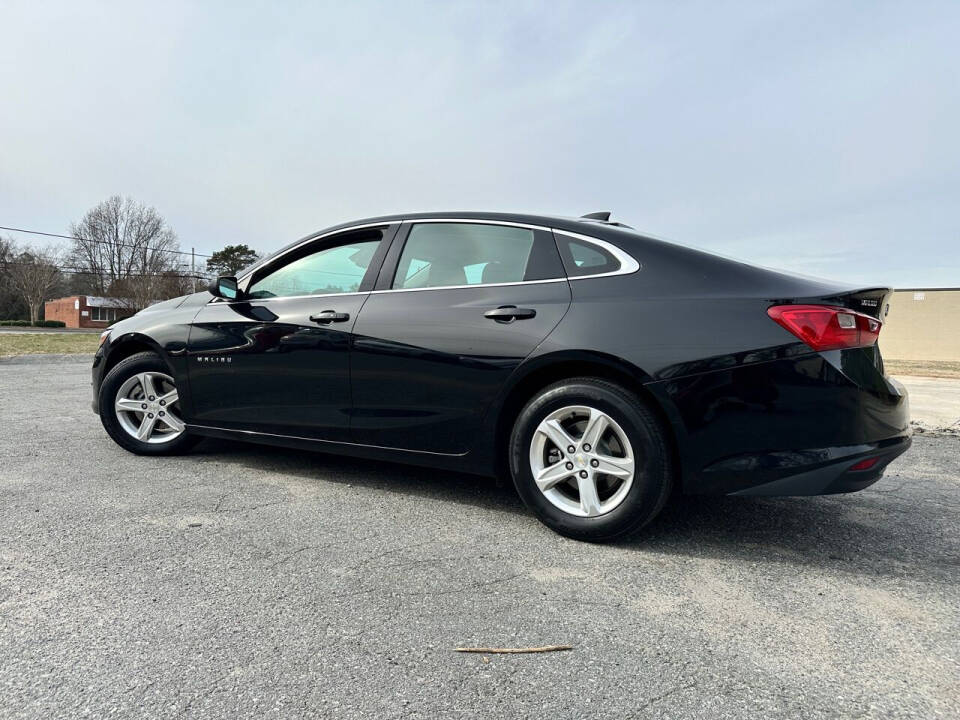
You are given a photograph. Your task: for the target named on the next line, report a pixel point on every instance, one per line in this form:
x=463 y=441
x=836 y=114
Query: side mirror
x=225 y=287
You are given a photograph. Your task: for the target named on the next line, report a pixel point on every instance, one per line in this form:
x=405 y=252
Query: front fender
x=164 y=332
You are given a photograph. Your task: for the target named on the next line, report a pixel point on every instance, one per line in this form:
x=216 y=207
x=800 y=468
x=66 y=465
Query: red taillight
x=864 y=464
x=823 y=327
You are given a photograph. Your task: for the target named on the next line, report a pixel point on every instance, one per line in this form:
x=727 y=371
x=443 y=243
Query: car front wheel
x=140 y=407
x=590 y=459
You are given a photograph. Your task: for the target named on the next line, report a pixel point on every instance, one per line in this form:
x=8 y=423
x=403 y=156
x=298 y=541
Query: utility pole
x=193 y=273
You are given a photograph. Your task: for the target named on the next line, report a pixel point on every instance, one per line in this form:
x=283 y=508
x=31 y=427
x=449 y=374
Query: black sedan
x=601 y=368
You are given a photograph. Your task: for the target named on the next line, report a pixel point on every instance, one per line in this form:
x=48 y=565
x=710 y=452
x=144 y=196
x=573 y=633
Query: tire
x=634 y=439
x=126 y=380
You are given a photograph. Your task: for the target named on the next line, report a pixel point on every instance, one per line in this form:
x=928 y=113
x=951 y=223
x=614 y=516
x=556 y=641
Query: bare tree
x=12 y=306
x=142 y=290
x=32 y=272
x=127 y=248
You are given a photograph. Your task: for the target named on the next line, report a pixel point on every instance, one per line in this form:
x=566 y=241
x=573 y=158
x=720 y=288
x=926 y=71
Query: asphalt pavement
x=248 y=582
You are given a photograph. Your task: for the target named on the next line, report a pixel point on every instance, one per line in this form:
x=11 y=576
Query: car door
x=458 y=305
x=277 y=360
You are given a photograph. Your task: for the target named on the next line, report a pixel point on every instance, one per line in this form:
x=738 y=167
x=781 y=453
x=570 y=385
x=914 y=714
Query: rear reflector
x=865 y=464
x=824 y=327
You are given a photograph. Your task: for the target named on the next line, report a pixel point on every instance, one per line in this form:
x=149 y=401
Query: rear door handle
x=330 y=316
x=509 y=313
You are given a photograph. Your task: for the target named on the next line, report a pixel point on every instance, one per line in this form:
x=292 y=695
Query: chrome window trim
x=221 y=301
x=474 y=221
x=468 y=286
x=320 y=236
x=628 y=264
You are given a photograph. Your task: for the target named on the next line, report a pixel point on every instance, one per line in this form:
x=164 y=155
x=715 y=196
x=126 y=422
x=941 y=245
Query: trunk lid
x=872 y=301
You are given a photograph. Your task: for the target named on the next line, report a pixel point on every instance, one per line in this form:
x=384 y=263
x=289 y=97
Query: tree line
x=120 y=249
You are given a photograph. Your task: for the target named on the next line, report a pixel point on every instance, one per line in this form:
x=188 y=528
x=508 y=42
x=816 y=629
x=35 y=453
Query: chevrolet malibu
x=600 y=368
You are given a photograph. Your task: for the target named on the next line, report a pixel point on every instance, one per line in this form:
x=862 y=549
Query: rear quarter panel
x=729 y=379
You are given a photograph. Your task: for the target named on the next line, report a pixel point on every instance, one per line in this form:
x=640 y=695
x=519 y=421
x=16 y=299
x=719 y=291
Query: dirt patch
x=927 y=368
x=934 y=404
x=921 y=428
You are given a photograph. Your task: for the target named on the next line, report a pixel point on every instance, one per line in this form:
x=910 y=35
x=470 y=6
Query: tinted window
x=442 y=254
x=585 y=258
x=338 y=269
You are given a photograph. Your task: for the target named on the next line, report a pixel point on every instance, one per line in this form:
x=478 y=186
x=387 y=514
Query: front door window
x=330 y=271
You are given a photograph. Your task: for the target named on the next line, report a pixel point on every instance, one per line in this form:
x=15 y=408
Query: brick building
x=86 y=311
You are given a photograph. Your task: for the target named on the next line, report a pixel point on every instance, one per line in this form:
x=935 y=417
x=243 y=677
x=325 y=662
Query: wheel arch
x=538 y=373
x=130 y=344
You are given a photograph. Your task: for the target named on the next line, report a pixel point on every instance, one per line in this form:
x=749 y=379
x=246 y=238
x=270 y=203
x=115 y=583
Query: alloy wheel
x=147 y=408
x=582 y=461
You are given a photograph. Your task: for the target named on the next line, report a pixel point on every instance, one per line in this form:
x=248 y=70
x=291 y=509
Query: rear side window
x=451 y=254
x=581 y=257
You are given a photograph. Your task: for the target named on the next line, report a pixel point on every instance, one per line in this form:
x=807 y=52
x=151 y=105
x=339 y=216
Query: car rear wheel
x=140 y=407
x=590 y=459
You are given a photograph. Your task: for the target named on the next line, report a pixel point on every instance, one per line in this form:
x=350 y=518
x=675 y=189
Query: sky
x=818 y=137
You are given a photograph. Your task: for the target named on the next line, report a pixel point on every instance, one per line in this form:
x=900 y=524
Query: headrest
x=497 y=272
x=446 y=273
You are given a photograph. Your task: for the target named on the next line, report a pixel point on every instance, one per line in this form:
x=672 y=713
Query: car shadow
x=877 y=531
x=478 y=490
x=873 y=531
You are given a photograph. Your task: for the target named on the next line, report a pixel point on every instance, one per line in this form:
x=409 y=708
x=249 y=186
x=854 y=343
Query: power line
x=102 y=242
x=74 y=270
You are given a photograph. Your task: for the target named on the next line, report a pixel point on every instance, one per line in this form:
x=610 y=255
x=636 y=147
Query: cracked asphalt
x=249 y=582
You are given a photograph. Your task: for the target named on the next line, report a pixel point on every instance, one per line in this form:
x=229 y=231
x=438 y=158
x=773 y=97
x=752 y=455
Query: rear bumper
x=790 y=426
x=832 y=470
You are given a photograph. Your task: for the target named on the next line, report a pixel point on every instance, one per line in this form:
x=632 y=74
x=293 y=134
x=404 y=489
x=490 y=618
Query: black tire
x=653 y=473
x=124 y=370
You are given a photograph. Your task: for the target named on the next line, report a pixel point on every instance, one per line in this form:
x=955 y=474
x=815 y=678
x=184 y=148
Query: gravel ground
x=247 y=582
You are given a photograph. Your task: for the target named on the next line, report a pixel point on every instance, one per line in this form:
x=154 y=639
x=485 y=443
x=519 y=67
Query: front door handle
x=330 y=316
x=509 y=313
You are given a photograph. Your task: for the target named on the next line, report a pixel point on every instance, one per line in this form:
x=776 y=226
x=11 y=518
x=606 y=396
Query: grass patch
x=48 y=343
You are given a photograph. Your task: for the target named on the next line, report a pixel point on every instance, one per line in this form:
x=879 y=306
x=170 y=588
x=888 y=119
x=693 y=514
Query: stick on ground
x=500 y=651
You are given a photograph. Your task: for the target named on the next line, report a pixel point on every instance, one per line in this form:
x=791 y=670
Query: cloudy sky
x=821 y=137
